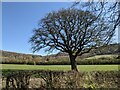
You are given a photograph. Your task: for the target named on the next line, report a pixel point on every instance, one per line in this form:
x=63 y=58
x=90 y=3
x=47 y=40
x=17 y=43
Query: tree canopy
x=73 y=31
x=109 y=11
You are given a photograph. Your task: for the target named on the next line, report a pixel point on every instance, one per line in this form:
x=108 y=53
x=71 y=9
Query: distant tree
x=72 y=31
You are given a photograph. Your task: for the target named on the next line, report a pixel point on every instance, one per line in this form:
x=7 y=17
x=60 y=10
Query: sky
x=18 y=21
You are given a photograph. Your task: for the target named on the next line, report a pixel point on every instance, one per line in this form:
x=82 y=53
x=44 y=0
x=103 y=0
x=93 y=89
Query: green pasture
x=60 y=67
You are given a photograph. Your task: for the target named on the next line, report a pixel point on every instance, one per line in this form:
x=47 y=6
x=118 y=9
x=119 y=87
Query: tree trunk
x=73 y=62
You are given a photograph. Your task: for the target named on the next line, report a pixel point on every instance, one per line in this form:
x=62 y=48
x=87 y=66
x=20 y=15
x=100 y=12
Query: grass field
x=60 y=67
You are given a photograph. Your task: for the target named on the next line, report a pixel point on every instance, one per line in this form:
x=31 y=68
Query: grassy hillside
x=6 y=55
x=102 y=55
x=104 y=50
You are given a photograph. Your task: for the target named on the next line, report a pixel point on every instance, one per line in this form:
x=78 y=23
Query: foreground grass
x=60 y=67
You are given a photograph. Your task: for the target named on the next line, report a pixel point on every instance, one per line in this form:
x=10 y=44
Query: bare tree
x=109 y=11
x=72 y=31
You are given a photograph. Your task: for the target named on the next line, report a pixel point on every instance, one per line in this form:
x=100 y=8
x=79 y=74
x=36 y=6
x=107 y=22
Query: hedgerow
x=60 y=79
x=65 y=61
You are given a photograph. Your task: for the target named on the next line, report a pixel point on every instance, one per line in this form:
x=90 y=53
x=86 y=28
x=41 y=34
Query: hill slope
x=105 y=50
x=6 y=55
x=62 y=58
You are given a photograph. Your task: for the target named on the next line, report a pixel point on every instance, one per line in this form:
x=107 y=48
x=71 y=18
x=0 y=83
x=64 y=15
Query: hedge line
x=65 y=62
x=55 y=80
